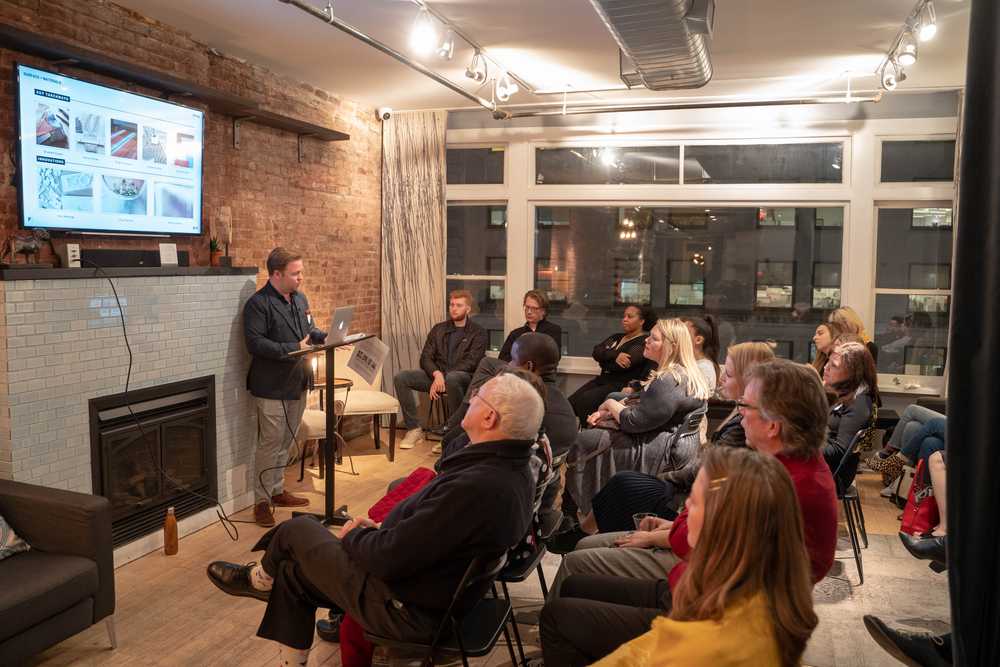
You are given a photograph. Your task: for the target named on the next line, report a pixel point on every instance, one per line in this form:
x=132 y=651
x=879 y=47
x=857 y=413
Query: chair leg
x=376 y=432
x=392 y=437
x=861 y=520
x=302 y=460
x=510 y=647
x=321 y=448
x=541 y=580
x=852 y=532
x=109 y=624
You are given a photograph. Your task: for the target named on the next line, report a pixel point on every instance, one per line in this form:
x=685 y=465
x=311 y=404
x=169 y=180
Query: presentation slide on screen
x=95 y=158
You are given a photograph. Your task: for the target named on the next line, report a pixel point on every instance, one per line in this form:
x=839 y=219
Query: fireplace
x=158 y=454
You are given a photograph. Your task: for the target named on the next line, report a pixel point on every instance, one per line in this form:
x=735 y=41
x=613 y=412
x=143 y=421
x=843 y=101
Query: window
x=477 y=261
x=607 y=165
x=916 y=161
x=475 y=166
x=767 y=163
x=912 y=289
x=759 y=281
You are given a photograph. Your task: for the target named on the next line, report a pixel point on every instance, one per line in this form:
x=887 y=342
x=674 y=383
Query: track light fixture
x=504 y=88
x=446 y=50
x=927 y=23
x=891 y=75
x=906 y=52
x=423 y=35
x=477 y=69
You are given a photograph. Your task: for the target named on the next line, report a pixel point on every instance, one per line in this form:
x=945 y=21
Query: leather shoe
x=263 y=515
x=926 y=548
x=285 y=499
x=916 y=649
x=328 y=629
x=235 y=580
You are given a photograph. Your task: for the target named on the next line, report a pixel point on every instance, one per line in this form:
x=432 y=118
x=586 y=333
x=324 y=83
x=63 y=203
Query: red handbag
x=921 y=512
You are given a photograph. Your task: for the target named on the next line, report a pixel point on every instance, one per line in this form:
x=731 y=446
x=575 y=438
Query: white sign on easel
x=367 y=359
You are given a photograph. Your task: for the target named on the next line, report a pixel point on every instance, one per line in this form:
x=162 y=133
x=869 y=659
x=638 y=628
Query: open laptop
x=340 y=324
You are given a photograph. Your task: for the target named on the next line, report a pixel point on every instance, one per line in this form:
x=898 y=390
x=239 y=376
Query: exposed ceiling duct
x=666 y=41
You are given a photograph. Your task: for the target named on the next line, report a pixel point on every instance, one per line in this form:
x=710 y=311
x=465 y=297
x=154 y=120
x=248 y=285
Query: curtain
x=413 y=250
x=973 y=449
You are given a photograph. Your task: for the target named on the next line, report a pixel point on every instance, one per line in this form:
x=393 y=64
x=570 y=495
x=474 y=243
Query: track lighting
x=906 y=52
x=504 y=88
x=447 y=47
x=927 y=23
x=423 y=35
x=477 y=69
x=891 y=75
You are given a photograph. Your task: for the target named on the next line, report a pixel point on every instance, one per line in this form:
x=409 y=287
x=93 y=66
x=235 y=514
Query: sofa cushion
x=10 y=543
x=37 y=585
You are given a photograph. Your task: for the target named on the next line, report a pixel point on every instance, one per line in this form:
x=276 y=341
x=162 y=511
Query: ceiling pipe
x=327 y=16
x=576 y=111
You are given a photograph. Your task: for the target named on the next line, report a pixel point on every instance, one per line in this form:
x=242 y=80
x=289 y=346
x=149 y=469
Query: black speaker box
x=111 y=258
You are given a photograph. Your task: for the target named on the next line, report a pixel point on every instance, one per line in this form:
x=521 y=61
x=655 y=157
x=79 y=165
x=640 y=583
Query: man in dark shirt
x=276 y=321
x=536 y=308
x=451 y=352
x=397 y=578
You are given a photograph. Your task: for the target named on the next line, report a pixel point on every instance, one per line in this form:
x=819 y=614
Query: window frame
x=462 y=146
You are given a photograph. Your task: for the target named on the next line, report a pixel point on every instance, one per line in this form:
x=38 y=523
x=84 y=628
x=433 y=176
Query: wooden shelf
x=239 y=108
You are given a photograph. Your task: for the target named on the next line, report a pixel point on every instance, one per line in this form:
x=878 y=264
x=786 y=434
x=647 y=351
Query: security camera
x=384 y=113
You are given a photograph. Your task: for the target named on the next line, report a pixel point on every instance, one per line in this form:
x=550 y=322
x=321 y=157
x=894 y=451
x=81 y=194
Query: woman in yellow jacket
x=746 y=596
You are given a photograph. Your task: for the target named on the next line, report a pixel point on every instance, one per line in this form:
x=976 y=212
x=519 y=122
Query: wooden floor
x=168 y=613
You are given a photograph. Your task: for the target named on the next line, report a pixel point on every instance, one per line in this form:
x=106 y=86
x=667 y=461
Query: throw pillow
x=10 y=543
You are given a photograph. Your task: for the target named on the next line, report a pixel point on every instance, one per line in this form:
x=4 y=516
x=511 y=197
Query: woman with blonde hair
x=629 y=493
x=745 y=597
x=622 y=434
x=850 y=322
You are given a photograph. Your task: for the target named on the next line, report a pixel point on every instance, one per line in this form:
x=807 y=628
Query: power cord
x=228 y=524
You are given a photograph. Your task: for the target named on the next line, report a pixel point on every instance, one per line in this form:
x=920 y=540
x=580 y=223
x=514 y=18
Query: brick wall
x=327 y=207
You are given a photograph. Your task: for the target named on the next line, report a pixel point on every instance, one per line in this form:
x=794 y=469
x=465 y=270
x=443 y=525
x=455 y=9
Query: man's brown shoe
x=285 y=499
x=263 y=515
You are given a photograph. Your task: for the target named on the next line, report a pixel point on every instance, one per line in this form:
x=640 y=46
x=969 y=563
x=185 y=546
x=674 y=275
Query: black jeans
x=311 y=570
x=595 y=614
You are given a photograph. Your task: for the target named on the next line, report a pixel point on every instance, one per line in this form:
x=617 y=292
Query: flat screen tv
x=98 y=159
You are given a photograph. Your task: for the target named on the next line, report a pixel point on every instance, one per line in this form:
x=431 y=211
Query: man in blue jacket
x=276 y=321
x=396 y=579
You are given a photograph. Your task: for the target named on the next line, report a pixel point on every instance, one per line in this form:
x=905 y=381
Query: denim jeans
x=406 y=382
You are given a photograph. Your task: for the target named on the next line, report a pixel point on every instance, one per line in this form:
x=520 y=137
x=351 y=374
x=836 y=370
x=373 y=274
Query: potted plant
x=215 y=247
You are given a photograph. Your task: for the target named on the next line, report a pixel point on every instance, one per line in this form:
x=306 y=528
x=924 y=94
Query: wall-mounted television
x=98 y=159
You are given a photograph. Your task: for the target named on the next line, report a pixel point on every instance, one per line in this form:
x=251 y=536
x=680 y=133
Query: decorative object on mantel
x=216 y=252
x=226 y=222
x=27 y=243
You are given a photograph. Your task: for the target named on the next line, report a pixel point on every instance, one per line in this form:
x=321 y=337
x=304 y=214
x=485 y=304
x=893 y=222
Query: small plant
x=214 y=244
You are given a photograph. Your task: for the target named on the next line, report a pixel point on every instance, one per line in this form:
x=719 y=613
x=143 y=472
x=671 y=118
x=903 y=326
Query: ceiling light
x=504 y=88
x=423 y=35
x=447 y=47
x=891 y=75
x=927 y=23
x=477 y=69
x=906 y=52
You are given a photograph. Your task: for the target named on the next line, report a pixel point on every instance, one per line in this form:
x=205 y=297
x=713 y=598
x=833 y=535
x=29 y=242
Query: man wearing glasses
x=536 y=307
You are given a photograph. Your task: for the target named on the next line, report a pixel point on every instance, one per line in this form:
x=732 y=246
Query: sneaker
x=889 y=491
x=917 y=649
x=436 y=449
x=412 y=437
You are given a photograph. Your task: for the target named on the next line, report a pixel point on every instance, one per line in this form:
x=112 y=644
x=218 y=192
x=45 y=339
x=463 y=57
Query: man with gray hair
x=396 y=579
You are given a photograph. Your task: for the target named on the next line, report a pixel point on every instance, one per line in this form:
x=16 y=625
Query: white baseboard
x=154 y=541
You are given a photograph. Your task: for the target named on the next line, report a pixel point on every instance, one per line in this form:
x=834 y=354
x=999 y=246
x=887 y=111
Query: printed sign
x=367 y=358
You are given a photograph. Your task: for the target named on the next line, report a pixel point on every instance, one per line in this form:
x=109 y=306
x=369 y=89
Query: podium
x=330 y=516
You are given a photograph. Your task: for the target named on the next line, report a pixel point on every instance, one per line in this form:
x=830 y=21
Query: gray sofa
x=66 y=582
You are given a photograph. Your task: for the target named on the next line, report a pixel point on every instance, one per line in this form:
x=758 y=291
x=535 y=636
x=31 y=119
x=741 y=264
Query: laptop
x=340 y=324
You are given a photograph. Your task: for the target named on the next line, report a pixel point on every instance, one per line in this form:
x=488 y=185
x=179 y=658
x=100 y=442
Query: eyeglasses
x=532 y=309
x=476 y=394
x=741 y=405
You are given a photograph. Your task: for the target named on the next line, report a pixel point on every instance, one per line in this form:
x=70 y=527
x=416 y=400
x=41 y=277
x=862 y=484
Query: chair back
x=847 y=467
x=691 y=426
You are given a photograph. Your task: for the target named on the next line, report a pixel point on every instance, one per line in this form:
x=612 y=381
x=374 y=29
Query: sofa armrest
x=65 y=522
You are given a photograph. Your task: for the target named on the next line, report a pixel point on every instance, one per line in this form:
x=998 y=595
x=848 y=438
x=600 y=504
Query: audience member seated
x=705 y=340
x=391 y=578
x=536 y=307
x=910 y=423
x=784 y=412
x=744 y=598
x=824 y=340
x=451 y=352
x=621 y=359
x=932 y=546
x=850 y=374
x=629 y=493
x=850 y=322
x=620 y=436
x=535 y=352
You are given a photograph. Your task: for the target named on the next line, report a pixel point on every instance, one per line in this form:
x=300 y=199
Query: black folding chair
x=847 y=491
x=472 y=633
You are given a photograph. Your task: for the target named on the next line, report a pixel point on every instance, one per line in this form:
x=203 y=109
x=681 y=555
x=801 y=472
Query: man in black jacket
x=276 y=321
x=397 y=578
x=451 y=352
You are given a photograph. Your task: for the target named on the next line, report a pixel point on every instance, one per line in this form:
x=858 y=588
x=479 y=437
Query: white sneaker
x=436 y=449
x=889 y=491
x=412 y=437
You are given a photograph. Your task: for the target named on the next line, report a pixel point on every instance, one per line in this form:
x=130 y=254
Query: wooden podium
x=330 y=516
